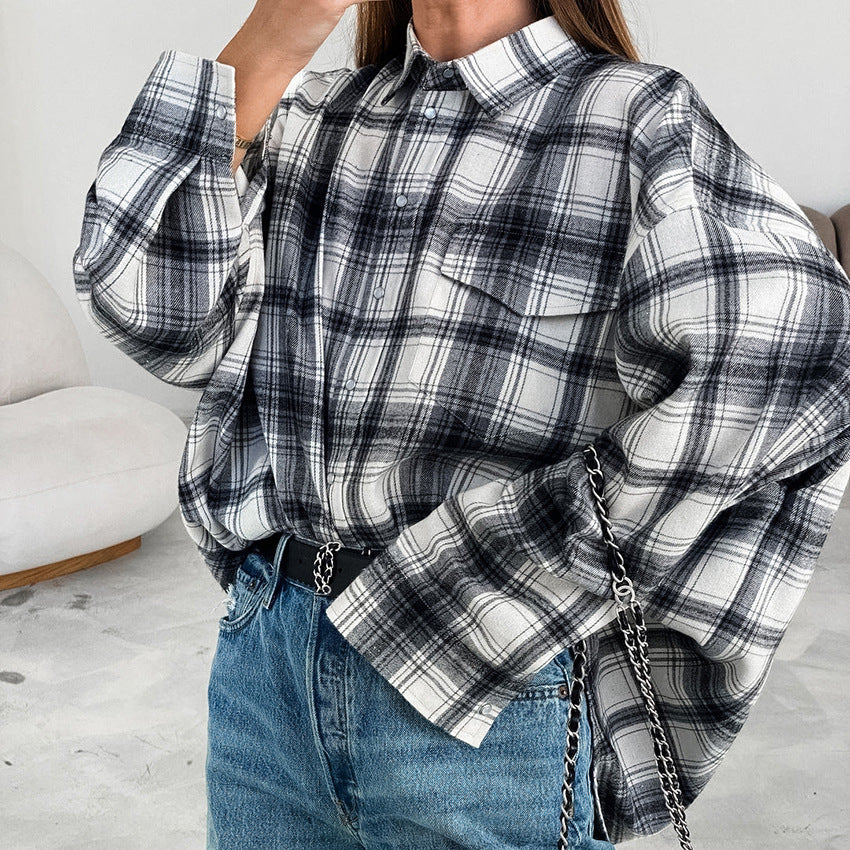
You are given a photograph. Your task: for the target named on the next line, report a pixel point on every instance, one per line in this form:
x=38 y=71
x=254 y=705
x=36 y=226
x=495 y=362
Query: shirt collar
x=500 y=73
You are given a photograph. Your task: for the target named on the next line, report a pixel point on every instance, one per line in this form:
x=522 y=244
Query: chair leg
x=69 y=565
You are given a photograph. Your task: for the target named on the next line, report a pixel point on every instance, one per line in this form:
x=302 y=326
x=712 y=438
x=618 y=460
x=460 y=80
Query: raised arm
x=171 y=262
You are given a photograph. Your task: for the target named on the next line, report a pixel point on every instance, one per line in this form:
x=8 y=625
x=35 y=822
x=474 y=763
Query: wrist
x=259 y=87
x=261 y=74
x=257 y=50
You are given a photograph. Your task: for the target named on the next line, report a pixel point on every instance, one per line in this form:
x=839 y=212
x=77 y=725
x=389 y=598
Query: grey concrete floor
x=103 y=713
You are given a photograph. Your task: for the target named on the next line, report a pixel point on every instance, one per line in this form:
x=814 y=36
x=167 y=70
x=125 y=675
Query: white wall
x=69 y=73
x=776 y=75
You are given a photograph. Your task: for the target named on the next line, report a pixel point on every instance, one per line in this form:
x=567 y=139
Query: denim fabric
x=310 y=748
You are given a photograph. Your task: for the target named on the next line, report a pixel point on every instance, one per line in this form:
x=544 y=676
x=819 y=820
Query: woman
x=431 y=281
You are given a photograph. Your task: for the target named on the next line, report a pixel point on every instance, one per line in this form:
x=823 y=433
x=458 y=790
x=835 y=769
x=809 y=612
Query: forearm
x=276 y=41
x=261 y=80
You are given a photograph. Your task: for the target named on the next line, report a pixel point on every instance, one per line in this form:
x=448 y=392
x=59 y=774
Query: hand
x=289 y=32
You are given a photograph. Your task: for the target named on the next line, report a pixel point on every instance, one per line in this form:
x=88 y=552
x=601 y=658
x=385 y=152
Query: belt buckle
x=323 y=566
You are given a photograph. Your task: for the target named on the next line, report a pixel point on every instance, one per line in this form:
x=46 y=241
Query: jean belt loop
x=277 y=571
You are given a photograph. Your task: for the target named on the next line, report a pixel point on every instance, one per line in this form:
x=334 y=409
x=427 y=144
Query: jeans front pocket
x=246 y=593
x=531 y=734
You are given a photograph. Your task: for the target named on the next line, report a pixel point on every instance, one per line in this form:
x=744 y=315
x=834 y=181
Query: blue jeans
x=310 y=748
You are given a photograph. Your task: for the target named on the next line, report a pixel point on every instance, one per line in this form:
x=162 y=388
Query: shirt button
x=350 y=384
x=400 y=200
x=331 y=478
x=379 y=292
x=220 y=112
x=486 y=708
x=448 y=72
x=430 y=112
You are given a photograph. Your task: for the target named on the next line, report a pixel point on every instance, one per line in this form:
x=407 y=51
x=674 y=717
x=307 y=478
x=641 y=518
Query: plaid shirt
x=430 y=284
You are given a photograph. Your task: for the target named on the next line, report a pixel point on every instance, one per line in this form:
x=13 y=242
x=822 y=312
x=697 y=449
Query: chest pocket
x=516 y=339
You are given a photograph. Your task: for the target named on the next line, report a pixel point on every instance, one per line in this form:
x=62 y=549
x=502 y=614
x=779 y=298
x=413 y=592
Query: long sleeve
x=731 y=339
x=736 y=344
x=170 y=265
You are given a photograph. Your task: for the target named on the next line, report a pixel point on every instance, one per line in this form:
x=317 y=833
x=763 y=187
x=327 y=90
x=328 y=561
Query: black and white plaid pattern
x=429 y=286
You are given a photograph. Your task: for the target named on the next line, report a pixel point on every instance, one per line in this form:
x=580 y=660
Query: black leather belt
x=341 y=564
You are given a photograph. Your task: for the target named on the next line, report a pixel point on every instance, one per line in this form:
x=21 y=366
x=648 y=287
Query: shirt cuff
x=187 y=102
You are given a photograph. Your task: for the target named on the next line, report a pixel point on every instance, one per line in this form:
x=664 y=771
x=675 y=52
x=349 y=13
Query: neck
x=449 y=29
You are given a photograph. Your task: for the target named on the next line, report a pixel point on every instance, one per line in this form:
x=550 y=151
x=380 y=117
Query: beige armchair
x=834 y=232
x=84 y=470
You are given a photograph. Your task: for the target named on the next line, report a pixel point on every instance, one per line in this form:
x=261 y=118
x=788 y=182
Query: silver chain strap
x=323 y=565
x=571 y=754
x=633 y=627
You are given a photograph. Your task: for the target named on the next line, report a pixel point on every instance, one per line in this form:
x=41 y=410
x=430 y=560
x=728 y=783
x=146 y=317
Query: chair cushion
x=82 y=468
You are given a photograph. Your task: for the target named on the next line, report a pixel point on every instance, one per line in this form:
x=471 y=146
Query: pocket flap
x=533 y=272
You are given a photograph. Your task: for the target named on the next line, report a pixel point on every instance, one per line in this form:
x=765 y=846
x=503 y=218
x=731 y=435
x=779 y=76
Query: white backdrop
x=776 y=75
